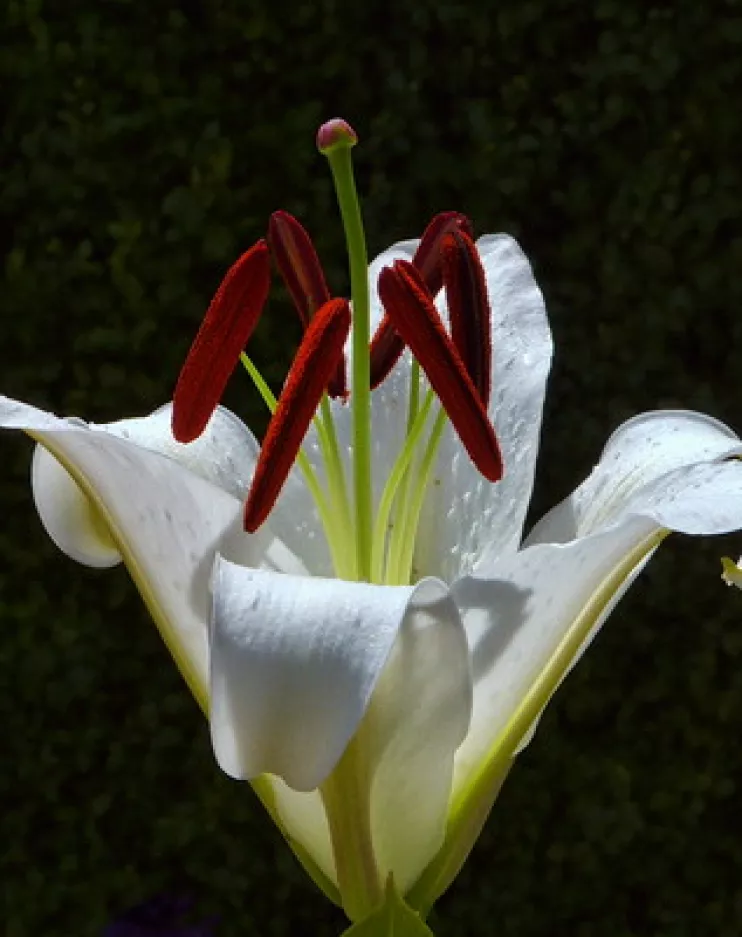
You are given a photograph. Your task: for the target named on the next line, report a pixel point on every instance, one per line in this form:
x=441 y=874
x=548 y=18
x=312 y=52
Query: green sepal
x=393 y=918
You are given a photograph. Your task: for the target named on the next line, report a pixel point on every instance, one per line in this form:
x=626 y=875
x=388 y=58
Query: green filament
x=399 y=476
x=335 y=532
x=402 y=549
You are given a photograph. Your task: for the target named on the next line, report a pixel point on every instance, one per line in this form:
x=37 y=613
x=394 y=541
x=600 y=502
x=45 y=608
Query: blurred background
x=143 y=148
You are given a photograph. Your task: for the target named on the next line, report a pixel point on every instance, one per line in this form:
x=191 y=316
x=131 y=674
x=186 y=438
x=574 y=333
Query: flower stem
x=355 y=239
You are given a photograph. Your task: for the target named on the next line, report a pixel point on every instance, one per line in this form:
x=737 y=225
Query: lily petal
x=401 y=250
x=224 y=455
x=165 y=521
x=302 y=814
x=294 y=661
x=640 y=451
x=464 y=514
x=418 y=717
x=529 y=616
x=299 y=666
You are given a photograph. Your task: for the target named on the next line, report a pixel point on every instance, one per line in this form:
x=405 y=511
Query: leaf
x=392 y=919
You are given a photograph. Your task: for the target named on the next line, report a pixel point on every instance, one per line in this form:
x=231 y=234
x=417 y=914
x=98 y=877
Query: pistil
x=335 y=140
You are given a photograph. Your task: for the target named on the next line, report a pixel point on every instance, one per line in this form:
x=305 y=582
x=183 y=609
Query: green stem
x=355 y=239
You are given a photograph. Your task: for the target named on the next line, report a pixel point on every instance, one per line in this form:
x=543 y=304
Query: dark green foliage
x=144 y=145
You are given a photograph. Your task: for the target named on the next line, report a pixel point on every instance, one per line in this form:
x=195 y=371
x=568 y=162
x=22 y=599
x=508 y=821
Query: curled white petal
x=303 y=816
x=521 y=613
x=418 y=717
x=69 y=516
x=166 y=522
x=640 y=452
x=294 y=661
x=224 y=454
x=299 y=666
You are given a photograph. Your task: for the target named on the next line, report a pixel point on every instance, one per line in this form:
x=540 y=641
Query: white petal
x=70 y=517
x=640 y=451
x=224 y=454
x=464 y=513
x=165 y=521
x=295 y=520
x=294 y=662
x=418 y=716
x=304 y=819
x=541 y=607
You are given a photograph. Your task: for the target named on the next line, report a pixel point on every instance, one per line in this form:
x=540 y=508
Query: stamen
x=427 y=259
x=315 y=362
x=229 y=322
x=468 y=305
x=298 y=264
x=301 y=271
x=413 y=313
x=387 y=346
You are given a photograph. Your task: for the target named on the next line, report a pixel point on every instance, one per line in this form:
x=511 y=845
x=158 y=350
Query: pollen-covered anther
x=428 y=260
x=301 y=271
x=386 y=347
x=298 y=264
x=229 y=322
x=315 y=362
x=469 y=308
x=413 y=313
x=387 y=344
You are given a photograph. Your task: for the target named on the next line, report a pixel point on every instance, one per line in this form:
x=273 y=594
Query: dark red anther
x=301 y=271
x=229 y=322
x=469 y=308
x=413 y=313
x=427 y=257
x=387 y=346
x=315 y=362
x=298 y=264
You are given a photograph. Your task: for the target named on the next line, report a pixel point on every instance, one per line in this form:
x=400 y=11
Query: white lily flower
x=377 y=720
